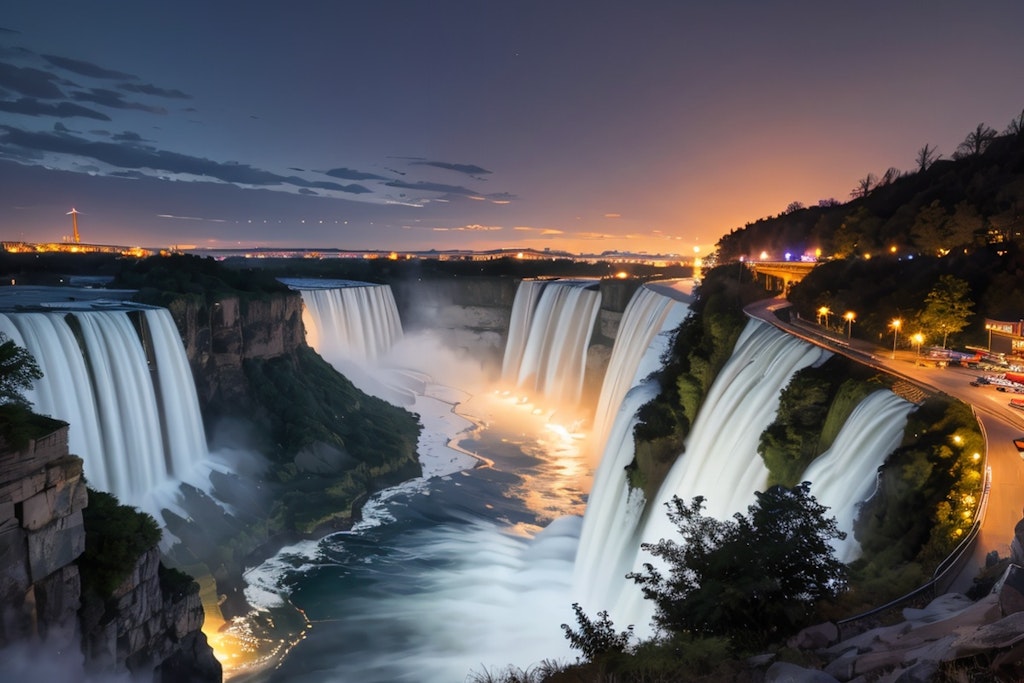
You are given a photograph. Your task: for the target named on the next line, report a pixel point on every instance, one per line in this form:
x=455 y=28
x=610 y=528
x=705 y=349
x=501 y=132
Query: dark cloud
x=25 y=80
x=63 y=110
x=147 y=89
x=423 y=186
x=85 y=68
x=136 y=157
x=351 y=174
x=8 y=30
x=129 y=175
x=468 y=169
x=114 y=100
x=128 y=136
x=303 y=190
x=296 y=169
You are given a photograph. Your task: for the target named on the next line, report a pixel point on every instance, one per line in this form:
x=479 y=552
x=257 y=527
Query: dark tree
x=1016 y=125
x=18 y=370
x=752 y=579
x=976 y=142
x=926 y=156
x=864 y=186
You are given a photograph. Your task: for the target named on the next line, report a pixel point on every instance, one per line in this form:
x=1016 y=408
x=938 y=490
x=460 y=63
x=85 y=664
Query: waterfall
x=350 y=321
x=134 y=418
x=844 y=476
x=644 y=334
x=549 y=332
x=720 y=462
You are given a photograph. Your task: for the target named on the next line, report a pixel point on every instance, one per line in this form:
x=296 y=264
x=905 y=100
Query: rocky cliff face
x=219 y=338
x=42 y=536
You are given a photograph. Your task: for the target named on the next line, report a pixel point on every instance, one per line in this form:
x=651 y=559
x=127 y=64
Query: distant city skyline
x=576 y=126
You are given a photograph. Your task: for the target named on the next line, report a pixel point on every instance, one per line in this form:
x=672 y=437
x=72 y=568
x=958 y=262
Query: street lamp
x=823 y=312
x=850 y=317
x=895 y=333
x=918 y=340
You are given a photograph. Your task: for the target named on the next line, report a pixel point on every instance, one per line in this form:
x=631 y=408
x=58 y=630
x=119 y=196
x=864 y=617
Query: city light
x=918 y=339
x=850 y=316
x=895 y=324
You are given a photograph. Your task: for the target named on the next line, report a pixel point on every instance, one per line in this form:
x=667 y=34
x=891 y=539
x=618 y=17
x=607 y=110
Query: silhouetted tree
x=795 y=206
x=1016 y=125
x=864 y=186
x=889 y=177
x=18 y=370
x=926 y=156
x=976 y=142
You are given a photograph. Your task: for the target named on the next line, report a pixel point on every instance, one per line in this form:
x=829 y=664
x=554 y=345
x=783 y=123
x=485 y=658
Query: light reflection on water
x=469 y=570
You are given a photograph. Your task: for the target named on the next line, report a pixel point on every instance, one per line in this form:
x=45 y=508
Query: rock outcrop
x=141 y=629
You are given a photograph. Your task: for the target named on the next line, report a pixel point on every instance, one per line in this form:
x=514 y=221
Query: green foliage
x=751 y=579
x=18 y=370
x=597 y=637
x=116 y=536
x=19 y=425
x=947 y=308
x=934 y=471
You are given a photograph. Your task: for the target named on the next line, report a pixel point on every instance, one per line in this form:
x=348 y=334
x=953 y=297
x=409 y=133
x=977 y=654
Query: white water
x=844 y=476
x=348 y=321
x=720 y=461
x=614 y=508
x=137 y=430
x=549 y=333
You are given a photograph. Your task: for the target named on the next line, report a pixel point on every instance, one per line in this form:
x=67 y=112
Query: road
x=1001 y=423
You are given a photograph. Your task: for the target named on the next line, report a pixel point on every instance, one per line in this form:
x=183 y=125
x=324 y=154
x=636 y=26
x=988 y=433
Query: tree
x=795 y=206
x=889 y=177
x=1016 y=125
x=947 y=308
x=926 y=156
x=929 y=229
x=976 y=142
x=864 y=186
x=18 y=370
x=751 y=579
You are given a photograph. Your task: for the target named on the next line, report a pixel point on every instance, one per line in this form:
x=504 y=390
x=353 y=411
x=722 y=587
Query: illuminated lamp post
x=823 y=313
x=850 y=317
x=918 y=340
x=895 y=333
x=989 y=328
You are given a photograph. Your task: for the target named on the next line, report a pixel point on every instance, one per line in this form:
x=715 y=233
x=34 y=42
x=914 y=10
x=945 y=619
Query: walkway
x=1000 y=422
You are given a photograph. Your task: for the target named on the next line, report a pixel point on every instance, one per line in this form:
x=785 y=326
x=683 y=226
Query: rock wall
x=42 y=536
x=42 y=494
x=219 y=338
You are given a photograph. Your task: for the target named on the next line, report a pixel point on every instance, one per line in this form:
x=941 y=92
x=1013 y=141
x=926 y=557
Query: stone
x=940 y=608
x=815 y=637
x=842 y=667
x=1011 y=590
x=784 y=672
x=1007 y=632
x=58 y=544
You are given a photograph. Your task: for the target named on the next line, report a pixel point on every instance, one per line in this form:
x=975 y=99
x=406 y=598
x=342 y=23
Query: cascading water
x=644 y=334
x=136 y=430
x=720 y=461
x=549 y=333
x=845 y=475
x=348 y=320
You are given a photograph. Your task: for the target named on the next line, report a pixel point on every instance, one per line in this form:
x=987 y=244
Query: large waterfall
x=549 y=332
x=118 y=375
x=844 y=476
x=720 y=462
x=644 y=333
x=352 y=321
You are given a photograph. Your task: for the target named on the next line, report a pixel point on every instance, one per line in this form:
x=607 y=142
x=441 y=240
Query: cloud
x=613 y=215
x=191 y=218
x=147 y=89
x=85 y=68
x=543 y=232
x=63 y=110
x=31 y=82
x=127 y=136
x=424 y=186
x=114 y=100
x=468 y=169
x=475 y=227
x=352 y=174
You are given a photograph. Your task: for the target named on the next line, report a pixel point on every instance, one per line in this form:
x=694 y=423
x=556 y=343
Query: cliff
x=221 y=336
x=43 y=536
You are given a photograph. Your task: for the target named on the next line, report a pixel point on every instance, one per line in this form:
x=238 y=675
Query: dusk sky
x=582 y=125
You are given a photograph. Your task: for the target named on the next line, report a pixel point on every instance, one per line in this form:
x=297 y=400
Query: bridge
x=779 y=275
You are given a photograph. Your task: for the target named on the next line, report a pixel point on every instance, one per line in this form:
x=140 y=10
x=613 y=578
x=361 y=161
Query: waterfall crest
x=844 y=476
x=348 y=321
x=124 y=387
x=549 y=332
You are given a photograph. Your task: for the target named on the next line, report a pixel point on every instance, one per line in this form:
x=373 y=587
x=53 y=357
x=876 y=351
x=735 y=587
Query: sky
x=580 y=125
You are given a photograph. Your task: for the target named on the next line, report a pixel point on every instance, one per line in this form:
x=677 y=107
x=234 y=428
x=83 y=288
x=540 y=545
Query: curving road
x=1001 y=423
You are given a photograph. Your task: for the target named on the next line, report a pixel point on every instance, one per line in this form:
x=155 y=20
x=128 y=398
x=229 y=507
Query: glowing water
x=348 y=320
x=613 y=511
x=844 y=476
x=720 y=461
x=136 y=427
x=548 y=338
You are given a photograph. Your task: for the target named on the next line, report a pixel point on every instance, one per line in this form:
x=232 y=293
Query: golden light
x=896 y=323
x=622 y=275
x=393 y=256
x=892 y=249
x=519 y=255
x=957 y=439
x=976 y=457
x=764 y=255
x=817 y=253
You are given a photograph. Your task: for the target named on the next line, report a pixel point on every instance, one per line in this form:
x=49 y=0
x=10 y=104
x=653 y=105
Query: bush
x=116 y=536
